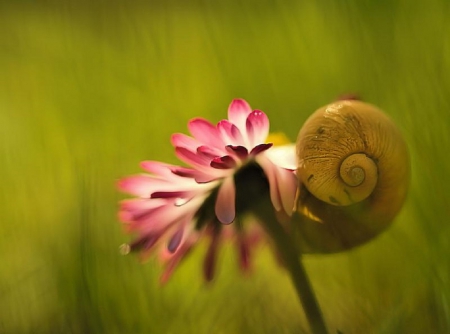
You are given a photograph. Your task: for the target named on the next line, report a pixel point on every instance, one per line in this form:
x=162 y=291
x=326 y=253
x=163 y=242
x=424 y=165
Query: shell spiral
x=353 y=173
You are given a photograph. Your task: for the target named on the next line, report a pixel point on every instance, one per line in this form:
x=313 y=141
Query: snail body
x=353 y=174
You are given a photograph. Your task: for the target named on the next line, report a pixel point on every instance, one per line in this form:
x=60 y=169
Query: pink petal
x=257 y=125
x=170 y=268
x=160 y=219
x=206 y=178
x=205 y=132
x=125 y=216
x=230 y=133
x=198 y=176
x=191 y=158
x=240 y=151
x=150 y=222
x=156 y=167
x=144 y=243
x=136 y=209
x=282 y=182
x=182 y=140
x=184 y=172
x=287 y=186
x=145 y=185
x=225 y=162
x=269 y=171
x=140 y=185
x=208 y=152
x=138 y=204
x=171 y=194
x=173 y=261
x=260 y=148
x=238 y=112
x=202 y=164
x=225 y=202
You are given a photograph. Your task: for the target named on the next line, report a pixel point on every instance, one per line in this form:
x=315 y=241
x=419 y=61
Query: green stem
x=252 y=194
x=292 y=261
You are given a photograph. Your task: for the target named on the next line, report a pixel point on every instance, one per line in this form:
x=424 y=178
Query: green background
x=90 y=88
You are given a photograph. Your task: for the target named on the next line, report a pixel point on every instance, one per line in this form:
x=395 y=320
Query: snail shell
x=353 y=173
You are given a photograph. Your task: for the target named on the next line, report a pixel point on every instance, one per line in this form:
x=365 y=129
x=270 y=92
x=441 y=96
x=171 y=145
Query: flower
x=176 y=205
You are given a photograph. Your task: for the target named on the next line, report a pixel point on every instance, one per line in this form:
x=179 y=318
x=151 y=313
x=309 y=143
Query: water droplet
x=124 y=249
x=181 y=201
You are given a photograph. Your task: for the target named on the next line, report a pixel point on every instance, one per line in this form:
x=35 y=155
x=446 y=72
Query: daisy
x=175 y=206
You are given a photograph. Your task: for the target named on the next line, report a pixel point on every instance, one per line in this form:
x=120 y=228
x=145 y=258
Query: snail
x=353 y=175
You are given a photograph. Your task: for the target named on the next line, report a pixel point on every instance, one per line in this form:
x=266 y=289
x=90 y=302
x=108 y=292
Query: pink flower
x=176 y=205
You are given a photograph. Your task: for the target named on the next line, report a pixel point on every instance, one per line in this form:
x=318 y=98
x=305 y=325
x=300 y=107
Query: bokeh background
x=90 y=88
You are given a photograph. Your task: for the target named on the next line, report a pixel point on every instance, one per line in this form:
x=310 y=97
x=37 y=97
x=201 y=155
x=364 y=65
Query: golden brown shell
x=353 y=172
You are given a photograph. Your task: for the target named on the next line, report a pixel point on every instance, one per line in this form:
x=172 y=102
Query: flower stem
x=292 y=260
x=252 y=194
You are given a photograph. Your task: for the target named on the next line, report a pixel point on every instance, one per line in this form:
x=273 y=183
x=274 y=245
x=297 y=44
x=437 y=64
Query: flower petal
x=240 y=151
x=260 y=148
x=225 y=203
x=282 y=182
x=145 y=185
x=287 y=186
x=209 y=264
x=257 y=125
x=197 y=175
x=171 y=194
x=150 y=222
x=244 y=253
x=191 y=158
x=140 y=185
x=156 y=167
x=225 y=162
x=144 y=243
x=230 y=133
x=283 y=156
x=205 y=132
x=135 y=209
x=208 y=152
x=206 y=178
x=238 y=112
x=269 y=171
x=182 y=140
x=172 y=260
x=175 y=240
x=166 y=217
x=139 y=204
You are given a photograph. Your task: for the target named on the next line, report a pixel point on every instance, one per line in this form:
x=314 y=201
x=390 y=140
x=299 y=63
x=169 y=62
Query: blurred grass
x=89 y=89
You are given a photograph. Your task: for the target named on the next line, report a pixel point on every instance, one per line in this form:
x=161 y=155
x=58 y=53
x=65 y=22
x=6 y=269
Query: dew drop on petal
x=124 y=249
x=181 y=201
